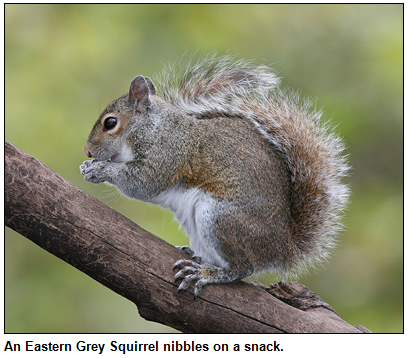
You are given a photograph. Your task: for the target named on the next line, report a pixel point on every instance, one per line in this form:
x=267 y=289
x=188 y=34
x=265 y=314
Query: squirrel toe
x=189 y=271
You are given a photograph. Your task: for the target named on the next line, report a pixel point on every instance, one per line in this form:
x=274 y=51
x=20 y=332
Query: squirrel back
x=312 y=153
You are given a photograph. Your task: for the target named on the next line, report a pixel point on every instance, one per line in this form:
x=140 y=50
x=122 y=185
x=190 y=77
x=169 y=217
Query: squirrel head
x=107 y=140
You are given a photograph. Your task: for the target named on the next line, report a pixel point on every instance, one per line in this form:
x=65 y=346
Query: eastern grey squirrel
x=247 y=168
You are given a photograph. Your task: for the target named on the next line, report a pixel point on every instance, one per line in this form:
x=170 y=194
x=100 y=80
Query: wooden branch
x=67 y=222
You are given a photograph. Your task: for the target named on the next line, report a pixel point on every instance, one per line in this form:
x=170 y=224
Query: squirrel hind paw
x=190 y=271
x=186 y=249
x=190 y=252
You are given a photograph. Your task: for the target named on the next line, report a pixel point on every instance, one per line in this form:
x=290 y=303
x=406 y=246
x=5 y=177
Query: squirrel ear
x=140 y=91
x=151 y=86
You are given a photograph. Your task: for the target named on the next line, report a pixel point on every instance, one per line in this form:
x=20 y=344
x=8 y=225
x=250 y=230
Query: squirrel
x=247 y=168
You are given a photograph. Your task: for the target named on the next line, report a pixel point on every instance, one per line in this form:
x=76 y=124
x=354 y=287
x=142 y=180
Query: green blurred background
x=65 y=63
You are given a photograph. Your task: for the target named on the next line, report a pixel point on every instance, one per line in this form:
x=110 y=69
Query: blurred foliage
x=65 y=63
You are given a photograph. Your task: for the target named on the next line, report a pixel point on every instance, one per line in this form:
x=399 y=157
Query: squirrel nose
x=87 y=152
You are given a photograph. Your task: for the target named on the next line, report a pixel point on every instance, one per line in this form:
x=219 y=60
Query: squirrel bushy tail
x=220 y=86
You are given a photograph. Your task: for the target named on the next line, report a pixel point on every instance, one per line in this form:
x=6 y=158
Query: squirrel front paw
x=94 y=171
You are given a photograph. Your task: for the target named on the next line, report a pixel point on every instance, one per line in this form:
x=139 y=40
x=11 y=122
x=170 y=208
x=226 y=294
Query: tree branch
x=64 y=220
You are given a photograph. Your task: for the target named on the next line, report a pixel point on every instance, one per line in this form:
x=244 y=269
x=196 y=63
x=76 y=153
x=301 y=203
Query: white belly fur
x=194 y=208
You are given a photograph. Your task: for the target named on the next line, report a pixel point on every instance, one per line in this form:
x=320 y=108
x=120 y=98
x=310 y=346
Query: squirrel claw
x=186 y=249
x=189 y=271
x=191 y=253
x=186 y=282
x=181 y=264
x=186 y=271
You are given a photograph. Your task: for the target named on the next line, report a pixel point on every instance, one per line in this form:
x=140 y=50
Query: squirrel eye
x=109 y=123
